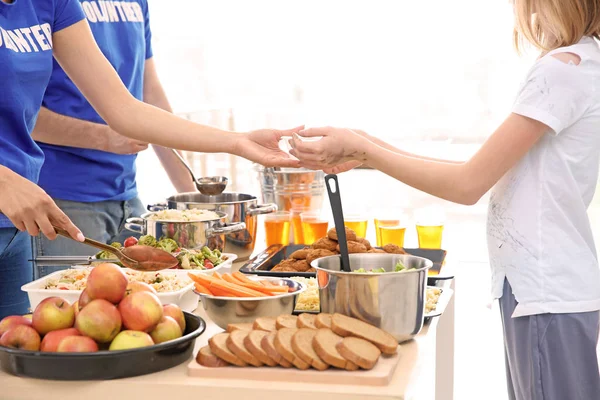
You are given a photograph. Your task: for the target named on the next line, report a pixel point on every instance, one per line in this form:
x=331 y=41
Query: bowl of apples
x=113 y=333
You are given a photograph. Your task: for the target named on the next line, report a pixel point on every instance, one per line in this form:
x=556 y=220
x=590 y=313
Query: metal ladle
x=140 y=258
x=210 y=186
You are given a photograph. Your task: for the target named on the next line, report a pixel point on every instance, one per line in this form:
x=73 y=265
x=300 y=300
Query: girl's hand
x=262 y=146
x=344 y=167
x=30 y=209
x=336 y=146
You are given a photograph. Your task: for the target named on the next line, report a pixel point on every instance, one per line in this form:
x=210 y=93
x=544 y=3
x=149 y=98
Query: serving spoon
x=209 y=186
x=140 y=258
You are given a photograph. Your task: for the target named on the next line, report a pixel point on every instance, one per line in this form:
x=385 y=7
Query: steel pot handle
x=262 y=209
x=157 y=207
x=135 y=225
x=225 y=229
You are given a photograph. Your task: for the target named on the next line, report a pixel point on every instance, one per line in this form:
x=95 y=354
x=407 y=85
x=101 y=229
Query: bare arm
x=80 y=57
x=463 y=183
x=154 y=94
x=57 y=129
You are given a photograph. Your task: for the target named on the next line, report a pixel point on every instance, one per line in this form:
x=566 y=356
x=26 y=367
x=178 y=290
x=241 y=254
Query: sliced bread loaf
x=302 y=346
x=253 y=345
x=235 y=343
x=283 y=345
x=206 y=358
x=360 y=351
x=347 y=326
x=268 y=345
x=218 y=346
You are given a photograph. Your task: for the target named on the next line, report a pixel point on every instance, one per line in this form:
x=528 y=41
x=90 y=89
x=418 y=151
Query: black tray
x=104 y=365
x=263 y=263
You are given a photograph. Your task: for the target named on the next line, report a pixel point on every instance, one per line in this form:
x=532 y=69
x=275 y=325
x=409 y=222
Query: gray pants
x=550 y=356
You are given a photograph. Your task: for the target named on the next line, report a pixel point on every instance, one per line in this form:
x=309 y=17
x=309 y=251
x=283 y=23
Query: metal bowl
x=232 y=310
x=392 y=301
x=212 y=185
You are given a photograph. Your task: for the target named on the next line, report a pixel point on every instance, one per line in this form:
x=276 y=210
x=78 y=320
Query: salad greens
x=398 y=268
x=105 y=255
x=147 y=240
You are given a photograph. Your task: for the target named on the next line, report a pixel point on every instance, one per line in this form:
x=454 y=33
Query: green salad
x=204 y=258
x=398 y=268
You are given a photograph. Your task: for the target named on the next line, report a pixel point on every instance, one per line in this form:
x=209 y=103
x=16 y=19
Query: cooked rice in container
x=184 y=215
x=309 y=299
x=75 y=279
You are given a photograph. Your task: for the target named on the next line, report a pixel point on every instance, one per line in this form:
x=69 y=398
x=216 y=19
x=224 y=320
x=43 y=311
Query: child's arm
x=463 y=183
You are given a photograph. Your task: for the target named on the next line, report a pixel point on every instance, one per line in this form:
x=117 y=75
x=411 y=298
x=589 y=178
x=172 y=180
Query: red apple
x=77 y=344
x=84 y=299
x=53 y=314
x=141 y=311
x=28 y=316
x=107 y=281
x=52 y=339
x=99 y=320
x=76 y=308
x=135 y=286
x=21 y=337
x=12 y=321
x=131 y=340
x=167 y=329
x=173 y=311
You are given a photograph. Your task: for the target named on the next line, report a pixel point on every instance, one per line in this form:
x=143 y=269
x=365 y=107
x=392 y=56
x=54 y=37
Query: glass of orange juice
x=314 y=226
x=298 y=233
x=430 y=226
x=277 y=227
x=358 y=224
x=392 y=234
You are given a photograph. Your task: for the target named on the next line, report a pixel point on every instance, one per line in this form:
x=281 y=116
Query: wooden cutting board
x=380 y=375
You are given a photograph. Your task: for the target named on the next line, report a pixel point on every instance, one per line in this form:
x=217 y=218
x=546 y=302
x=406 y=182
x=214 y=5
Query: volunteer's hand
x=344 y=167
x=262 y=146
x=30 y=209
x=120 y=144
x=337 y=147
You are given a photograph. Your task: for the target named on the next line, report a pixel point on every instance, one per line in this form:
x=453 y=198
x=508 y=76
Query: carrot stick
x=241 y=277
x=230 y=279
x=222 y=293
x=236 y=289
x=217 y=275
x=203 y=289
x=201 y=278
x=260 y=288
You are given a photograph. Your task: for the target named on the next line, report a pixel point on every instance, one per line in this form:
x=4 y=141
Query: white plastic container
x=184 y=298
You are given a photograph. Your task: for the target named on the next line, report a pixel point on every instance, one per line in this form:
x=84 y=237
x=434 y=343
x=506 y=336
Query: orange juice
x=357 y=225
x=314 y=230
x=392 y=234
x=297 y=228
x=430 y=237
x=383 y=222
x=278 y=232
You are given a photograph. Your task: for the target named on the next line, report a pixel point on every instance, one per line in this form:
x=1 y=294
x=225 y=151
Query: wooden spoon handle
x=89 y=242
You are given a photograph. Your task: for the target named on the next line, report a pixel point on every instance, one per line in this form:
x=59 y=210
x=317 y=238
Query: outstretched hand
x=262 y=146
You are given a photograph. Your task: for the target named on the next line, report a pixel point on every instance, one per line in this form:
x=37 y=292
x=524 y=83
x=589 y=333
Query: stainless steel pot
x=392 y=301
x=238 y=207
x=291 y=187
x=189 y=234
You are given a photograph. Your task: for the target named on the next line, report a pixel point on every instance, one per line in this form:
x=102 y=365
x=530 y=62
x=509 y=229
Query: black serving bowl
x=104 y=365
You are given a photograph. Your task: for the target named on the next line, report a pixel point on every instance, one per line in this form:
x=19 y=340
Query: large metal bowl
x=232 y=310
x=392 y=301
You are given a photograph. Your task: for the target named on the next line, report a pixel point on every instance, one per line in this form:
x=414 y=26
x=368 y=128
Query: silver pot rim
x=212 y=199
x=146 y=215
x=428 y=265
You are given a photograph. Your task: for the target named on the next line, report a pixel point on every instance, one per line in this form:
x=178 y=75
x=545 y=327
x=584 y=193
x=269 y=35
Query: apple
x=134 y=287
x=12 y=321
x=76 y=308
x=131 y=340
x=77 y=344
x=167 y=329
x=141 y=311
x=28 y=316
x=21 y=337
x=52 y=314
x=84 y=299
x=52 y=339
x=173 y=311
x=99 y=320
x=107 y=281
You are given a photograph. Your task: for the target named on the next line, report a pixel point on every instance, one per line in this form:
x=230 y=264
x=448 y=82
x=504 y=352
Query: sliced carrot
x=260 y=288
x=203 y=289
x=217 y=275
x=237 y=289
x=201 y=278
x=242 y=278
x=222 y=293
x=230 y=279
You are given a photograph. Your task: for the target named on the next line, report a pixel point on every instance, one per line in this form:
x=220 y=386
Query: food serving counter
x=425 y=371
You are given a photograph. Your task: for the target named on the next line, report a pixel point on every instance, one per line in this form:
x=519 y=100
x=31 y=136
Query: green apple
x=131 y=340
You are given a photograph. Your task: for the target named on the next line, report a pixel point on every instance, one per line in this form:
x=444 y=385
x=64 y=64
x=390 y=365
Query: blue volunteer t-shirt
x=26 y=28
x=122 y=31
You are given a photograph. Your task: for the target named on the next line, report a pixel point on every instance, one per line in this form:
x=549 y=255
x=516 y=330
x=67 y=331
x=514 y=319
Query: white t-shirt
x=539 y=234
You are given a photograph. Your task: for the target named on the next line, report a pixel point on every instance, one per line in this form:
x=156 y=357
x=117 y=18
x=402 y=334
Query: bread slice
x=242 y=327
x=235 y=343
x=306 y=321
x=323 y=320
x=265 y=324
x=268 y=345
x=347 y=326
x=253 y=345
x=218 y=346
x=324 y=343
x=360 y=351
x=286 y=321
x=283 y=345
x=208 y=359
x=302 y=346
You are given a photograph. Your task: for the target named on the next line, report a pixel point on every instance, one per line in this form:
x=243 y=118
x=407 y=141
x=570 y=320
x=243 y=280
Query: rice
x=75 y=279
x=309 y=299
x=184 y=215
x=433 y=295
